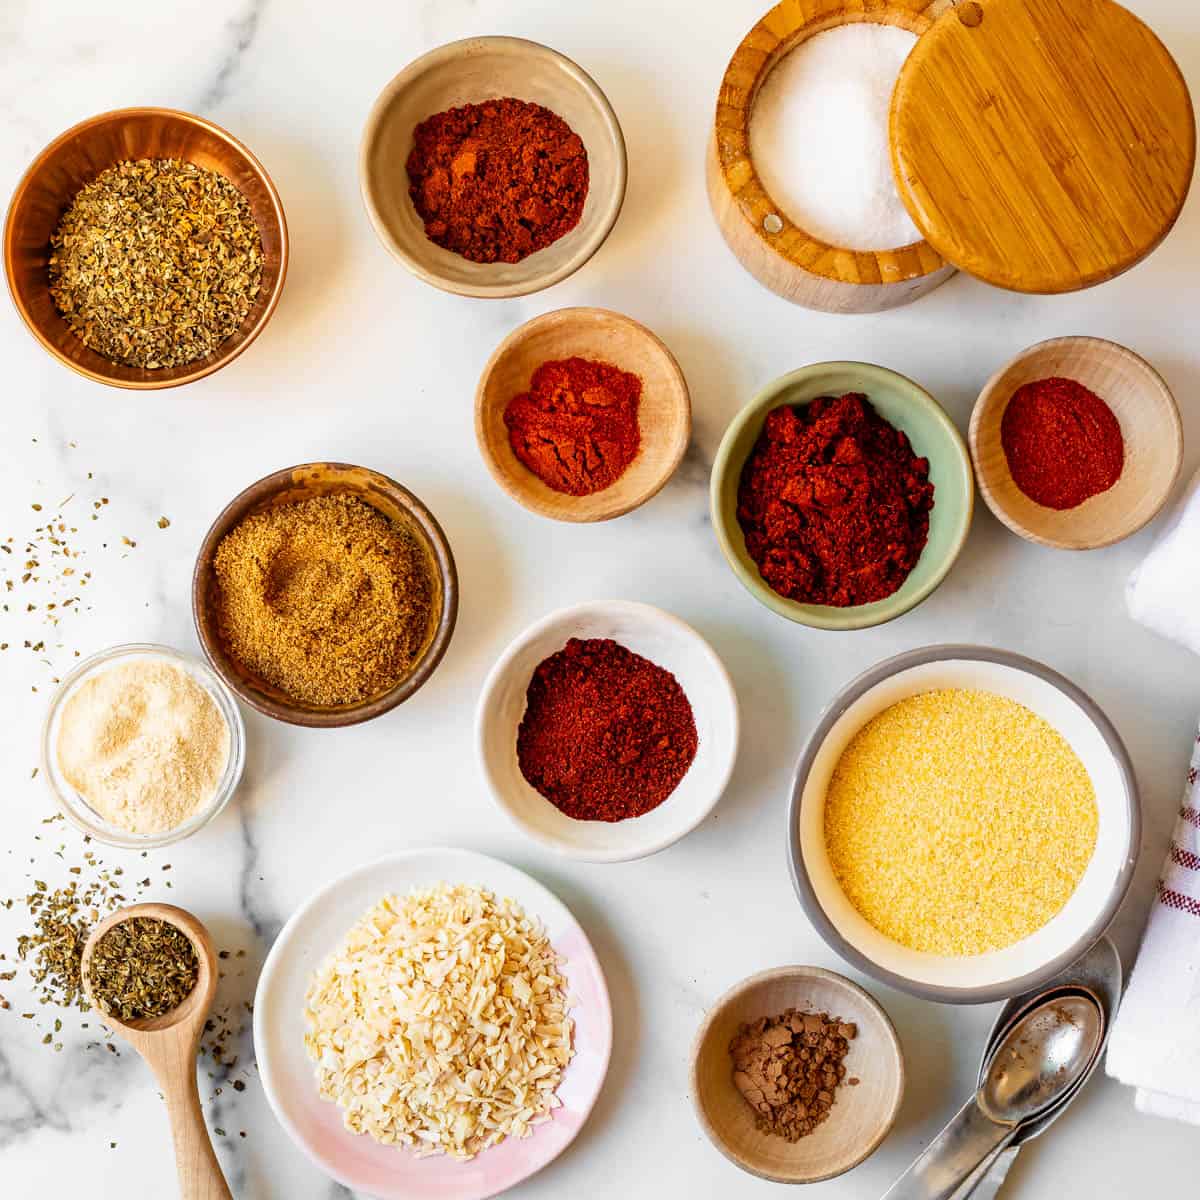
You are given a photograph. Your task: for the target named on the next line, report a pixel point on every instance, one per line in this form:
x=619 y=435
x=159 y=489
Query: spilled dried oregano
x=156 y=262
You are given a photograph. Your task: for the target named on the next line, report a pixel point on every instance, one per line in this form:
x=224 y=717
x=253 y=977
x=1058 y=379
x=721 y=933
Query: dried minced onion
x=441 y=1022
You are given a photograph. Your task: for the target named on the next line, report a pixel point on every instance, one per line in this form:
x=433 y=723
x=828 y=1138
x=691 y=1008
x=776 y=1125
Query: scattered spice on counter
x=156 y=262
x=441 y=1022
x=834 y=503
x=819 y=136
x=576 y=428
x=1062 y=442
x=327 y=598
x=496 y=181
x=142 y=967
x=143 y=743
x=958 y=822
x=789 y=1067
x=607 y=735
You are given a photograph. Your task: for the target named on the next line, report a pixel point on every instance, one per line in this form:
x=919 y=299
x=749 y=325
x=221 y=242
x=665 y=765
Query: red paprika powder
x=1062 y=442
x=576 y=428
x=833 y=502
x=607 y=734
x=496 y=181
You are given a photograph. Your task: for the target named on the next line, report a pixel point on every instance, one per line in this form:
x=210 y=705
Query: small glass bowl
x=77 y=809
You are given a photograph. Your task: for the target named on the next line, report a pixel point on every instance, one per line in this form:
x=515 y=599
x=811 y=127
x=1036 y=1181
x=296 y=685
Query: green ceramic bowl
x=932 y=434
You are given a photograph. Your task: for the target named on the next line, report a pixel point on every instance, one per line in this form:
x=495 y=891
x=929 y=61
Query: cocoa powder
x=788 y=1068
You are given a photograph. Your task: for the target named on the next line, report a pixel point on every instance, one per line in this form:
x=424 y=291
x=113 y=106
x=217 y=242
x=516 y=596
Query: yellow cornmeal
x=959 y=822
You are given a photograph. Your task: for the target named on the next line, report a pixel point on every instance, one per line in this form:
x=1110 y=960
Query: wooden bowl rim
x=771 y=975
x=121 y=114
x=989 y=396
x=449 y=53
x=296 y=714
x=621 y=503
x=735 y=163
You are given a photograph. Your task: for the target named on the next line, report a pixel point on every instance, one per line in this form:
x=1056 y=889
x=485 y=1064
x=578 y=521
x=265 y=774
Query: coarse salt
x=819 y=136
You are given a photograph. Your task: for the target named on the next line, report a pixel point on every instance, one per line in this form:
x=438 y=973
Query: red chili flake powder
x=576 y=428
x=496 y=181
x=833 y=503
x=1062 y=442
x=607 y=734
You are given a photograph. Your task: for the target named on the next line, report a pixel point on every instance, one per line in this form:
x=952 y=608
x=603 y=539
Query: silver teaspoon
x=1034 y=1066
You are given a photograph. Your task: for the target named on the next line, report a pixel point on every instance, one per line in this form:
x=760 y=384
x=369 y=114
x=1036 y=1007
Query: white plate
x=666 y=641
x=288 y=1075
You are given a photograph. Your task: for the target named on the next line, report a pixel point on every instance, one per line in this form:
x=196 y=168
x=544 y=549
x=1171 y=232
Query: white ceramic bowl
x=77 y=809
x=288 y=1075
x=1040 y=956
x=663 y=639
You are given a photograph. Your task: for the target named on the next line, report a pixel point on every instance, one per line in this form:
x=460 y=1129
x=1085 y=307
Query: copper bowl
x=287 y=487
x=75 y=158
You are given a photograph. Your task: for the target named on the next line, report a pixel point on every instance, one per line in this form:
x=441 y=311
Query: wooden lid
x=1042 y=145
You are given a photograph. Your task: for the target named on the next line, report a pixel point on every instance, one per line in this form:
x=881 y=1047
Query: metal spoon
x=1038 y=1061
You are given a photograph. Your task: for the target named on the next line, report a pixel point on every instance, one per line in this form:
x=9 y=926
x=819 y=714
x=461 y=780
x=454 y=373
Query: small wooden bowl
x=75 y=158
x=1150 y=425
x=469 y=72
x=776 y=251
x=664 y=417
x=300 y=483
x=862 y=1115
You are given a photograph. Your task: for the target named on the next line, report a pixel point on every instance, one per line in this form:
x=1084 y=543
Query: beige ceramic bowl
x=300 y=483
x=468 y=72
x=862 y=1115
x=1150 y=426
x=76 y=158
x=664 y=414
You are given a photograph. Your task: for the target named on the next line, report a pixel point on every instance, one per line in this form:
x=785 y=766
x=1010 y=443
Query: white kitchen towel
x=1162 y=593
x=1155 y=1041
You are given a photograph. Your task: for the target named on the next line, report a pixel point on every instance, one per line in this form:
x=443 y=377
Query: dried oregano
x=156 y=262
x=142 y=967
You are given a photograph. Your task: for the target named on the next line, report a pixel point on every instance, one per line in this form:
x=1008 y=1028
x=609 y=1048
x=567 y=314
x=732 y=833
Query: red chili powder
x=833 y=503
x=576 y=428
x=606 y=734
x=496 y=181
x=1062 y=442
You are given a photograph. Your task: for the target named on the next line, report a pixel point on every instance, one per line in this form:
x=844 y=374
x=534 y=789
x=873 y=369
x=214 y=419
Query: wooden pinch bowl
x=777 y=252
x=664 y=416
x=288 y=486
x=471 y=71
x=74 y=159
x=862 y=1114
x=169 y=1043
x=1150 y=426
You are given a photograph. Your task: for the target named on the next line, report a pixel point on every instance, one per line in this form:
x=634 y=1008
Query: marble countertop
x=365 y=364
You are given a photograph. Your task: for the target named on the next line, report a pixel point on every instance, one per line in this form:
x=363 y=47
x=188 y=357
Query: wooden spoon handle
x=200 y=1176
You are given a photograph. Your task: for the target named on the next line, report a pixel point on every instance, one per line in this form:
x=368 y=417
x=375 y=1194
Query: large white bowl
x=1032 y=961
x=663 y=639
x=288 y=1075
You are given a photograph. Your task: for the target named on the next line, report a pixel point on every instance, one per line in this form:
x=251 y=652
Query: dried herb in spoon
x=142 y=967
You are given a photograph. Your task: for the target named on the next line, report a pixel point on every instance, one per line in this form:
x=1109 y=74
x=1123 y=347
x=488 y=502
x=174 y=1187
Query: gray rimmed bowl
x=1034 y=960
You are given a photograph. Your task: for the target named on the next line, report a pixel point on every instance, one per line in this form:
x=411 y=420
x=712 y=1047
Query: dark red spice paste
x=607 y=734
x=576 y=428
x=1062 y=442
x=496 y=181
x=833 y=502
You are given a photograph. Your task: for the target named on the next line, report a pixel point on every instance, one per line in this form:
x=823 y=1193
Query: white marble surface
x=365 y=364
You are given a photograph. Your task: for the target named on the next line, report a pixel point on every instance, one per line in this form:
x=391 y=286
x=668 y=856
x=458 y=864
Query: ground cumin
x=788 y=1067
x=327 y=599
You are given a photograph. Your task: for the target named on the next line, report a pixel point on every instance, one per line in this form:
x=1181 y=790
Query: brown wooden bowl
x=76 y=158
x=664 y=416
x=1150 y=426
x=862 y=1115
x=299 y=483
x=777 y=252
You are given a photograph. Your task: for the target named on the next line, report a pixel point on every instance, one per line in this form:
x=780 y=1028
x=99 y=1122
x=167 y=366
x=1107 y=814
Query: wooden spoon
x=169 y=1045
